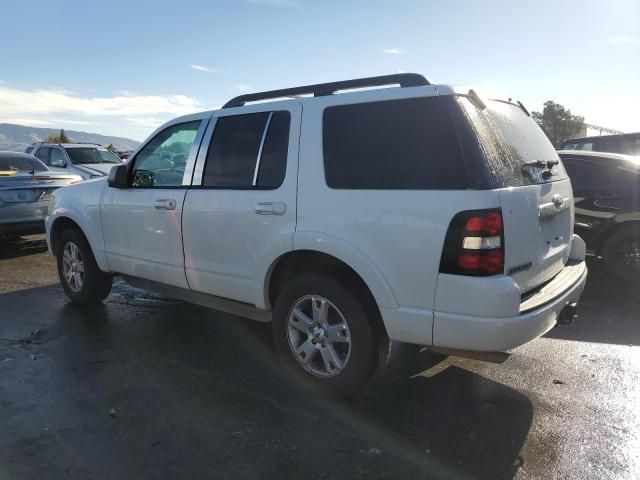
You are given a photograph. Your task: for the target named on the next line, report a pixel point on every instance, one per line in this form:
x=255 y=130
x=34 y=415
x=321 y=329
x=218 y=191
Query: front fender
x=80 y=204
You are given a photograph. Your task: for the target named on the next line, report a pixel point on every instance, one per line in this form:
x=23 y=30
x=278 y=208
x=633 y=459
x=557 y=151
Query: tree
x=558 y=122
x=61 y=138
x=111 y=148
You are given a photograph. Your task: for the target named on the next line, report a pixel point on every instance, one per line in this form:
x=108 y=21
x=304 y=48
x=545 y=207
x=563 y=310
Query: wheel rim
x=73 y=266
x=319 y=336
x=626 y=257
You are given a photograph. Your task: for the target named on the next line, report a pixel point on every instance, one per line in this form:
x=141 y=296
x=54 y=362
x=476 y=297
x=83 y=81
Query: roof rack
x=324 y=89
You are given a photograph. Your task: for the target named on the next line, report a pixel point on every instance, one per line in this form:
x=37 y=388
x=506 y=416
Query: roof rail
x=324 y=89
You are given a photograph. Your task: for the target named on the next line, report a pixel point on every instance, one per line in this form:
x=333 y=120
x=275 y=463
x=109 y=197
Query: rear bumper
x=538 y=314
x=23 y=217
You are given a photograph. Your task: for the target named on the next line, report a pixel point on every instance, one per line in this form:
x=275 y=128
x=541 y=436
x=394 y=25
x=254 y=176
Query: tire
x=91 y=285
x=621 y=253
x=327 y=363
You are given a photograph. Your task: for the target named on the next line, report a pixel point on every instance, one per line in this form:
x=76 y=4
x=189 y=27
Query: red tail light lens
x=492 y=262
x=491 y=224
x=474 y=244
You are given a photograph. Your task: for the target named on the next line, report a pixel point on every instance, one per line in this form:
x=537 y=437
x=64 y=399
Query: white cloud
x=53 y=107
x=202 y=68
x=392 y=51
x=623 y=40
x=2 y=82
x=45 y=122
x=274 y=3
x=243 y=87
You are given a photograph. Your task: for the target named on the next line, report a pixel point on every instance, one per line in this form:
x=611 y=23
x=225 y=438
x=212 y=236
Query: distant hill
x=17 y=137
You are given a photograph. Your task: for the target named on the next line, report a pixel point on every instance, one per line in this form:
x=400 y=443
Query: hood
x=95 y=168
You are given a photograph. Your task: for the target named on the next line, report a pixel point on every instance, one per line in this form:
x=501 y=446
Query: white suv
x=421 y=213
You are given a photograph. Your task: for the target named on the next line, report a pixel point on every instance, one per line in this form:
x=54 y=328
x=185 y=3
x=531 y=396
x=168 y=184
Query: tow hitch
x=568 y=314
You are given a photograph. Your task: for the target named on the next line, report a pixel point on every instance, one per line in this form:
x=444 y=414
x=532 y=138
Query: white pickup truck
x=421 y=213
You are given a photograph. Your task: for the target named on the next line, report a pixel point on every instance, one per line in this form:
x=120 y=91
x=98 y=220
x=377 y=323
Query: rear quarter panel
x=399 y=233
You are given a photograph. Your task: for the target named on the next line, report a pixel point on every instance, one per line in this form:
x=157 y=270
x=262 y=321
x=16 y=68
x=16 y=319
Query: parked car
x=421 y=214
x=25 y=188
x=607 y=202
x=85 y=159
x=124 y=155
x=626 y=143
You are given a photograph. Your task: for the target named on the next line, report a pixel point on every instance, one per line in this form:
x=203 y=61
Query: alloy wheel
x=73 y=266
x=319 y=336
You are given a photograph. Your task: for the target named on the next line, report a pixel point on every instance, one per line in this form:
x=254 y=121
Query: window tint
x=44 y=154
x=273 y=164
x=583 y=175
x=396 y=144
x=233 y=155
x=602 y=174
x=161 y=162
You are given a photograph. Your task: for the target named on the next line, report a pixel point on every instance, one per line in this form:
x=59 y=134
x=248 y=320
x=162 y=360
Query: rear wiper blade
x=541 y=163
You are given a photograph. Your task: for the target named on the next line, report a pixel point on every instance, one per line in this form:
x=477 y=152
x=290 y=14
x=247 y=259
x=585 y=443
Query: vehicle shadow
x=608 y=311
x=20 y=246
x=195 y=391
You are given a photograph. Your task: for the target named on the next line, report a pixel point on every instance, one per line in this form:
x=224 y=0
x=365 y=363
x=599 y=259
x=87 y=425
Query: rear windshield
x=513 y=147
x=21 y=164
x=84 y=155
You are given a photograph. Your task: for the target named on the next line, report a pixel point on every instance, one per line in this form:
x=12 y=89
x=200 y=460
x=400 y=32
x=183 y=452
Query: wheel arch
x=63 y=222
x=296 y=262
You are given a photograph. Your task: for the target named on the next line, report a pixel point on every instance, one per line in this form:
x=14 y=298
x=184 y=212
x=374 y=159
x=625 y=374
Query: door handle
x=271 y=208
x=165 y=204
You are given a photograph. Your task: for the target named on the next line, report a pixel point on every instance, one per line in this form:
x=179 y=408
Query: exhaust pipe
x=568 y=314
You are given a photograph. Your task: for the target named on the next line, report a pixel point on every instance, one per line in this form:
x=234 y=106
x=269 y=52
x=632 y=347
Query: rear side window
x=248 y=151
x=394 y=144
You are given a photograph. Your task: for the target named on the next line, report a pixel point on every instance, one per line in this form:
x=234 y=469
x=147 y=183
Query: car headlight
x=52 y=199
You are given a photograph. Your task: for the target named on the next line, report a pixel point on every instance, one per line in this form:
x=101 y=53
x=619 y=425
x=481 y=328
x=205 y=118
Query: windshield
x=21 y=164
x=515 y=150
x=84 y=155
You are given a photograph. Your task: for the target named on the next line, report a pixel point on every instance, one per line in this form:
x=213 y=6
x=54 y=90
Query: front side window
x=44 y=154
x=161 y=162
x=57 y=157
x=248 y=151
x=394 y=144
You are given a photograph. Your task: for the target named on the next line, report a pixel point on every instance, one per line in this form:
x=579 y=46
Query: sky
x=124 y=67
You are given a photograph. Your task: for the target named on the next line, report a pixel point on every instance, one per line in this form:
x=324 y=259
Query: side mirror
x=118 y=177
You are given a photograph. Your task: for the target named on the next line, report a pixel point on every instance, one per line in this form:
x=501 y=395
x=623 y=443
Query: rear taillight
x=474 y=244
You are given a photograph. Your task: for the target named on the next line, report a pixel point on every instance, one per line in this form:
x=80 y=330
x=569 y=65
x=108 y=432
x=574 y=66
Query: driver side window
x=162 y=161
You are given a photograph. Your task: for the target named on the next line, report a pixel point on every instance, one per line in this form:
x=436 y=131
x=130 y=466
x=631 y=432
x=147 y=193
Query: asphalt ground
x=147 y=387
